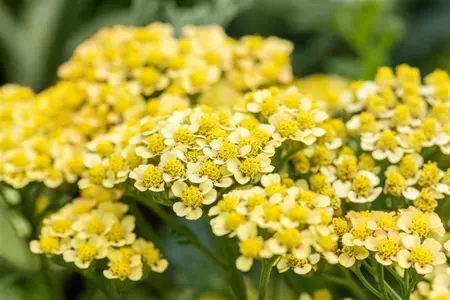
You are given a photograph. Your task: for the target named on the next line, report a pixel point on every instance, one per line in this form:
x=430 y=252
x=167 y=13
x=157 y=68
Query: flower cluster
x=276 y=219
x=408 y=238
x=435 y=287
x=396 y=114
x=94 y=227
x=196 y=152
x=327 y=170
x=43 y=136
x=153 y=60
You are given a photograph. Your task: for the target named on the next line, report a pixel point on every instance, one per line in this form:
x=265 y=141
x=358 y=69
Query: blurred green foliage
x=348 y=37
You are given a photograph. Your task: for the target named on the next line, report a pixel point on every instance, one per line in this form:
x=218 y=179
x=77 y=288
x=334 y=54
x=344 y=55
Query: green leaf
x=13 y=248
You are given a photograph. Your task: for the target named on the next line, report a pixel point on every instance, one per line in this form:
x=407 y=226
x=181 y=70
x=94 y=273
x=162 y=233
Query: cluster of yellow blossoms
x=277 y=219
x=355 y=173
x=114 y=78
x=197 y=152
x=94 y=227
x=154 y=61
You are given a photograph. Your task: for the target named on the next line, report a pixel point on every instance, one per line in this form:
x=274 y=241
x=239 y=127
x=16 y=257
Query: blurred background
x=346 y=37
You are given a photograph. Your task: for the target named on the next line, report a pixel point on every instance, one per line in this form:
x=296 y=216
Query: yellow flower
x=422 y=256
x=193 y=198
x=83 y=252
x=150 y=255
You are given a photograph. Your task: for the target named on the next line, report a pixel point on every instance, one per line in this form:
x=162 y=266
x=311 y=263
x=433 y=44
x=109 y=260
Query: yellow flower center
x=61 y=226
x=250 y=167
x=395 y=184
x=301 y=162
x=192 y=197
x=75 y=165
x=366 y=162
x=116 y=233
x=155 y=143
x=305 y=120
x=126 y=252
x=86 y=252
x=255 y=200
x=152 y=177
x=387 y=140
x=402 y=116
x=228 y=150
x=362 y=186
x=349 y=250
x=272 y=213
x=322 y=295
x=426 y=201
x=421 y=255
x=408 y=167
x=116 y=163
x=260 y=136
x=429 y=176
x=133 y=160
x=361 y=231
x=151 y=255
x=254 y=145
x=104 y=148
x=420 y=225
x=184 y=136
x=387 y=248
x=327 y=242
x=321 y=156
x=275 y=188
x=216 y=133
x=441 y=112
x=429 y=128
x=234 y=220
x=298 y=213
x=251 y=247
x=228 y=204
x=42 y=162
x=121 y=268
x=95 y=226
x=175 y=168
x=270 y=71
x=340 y=226
x=249 y=123
x=211 y=170
x=19 y=159
x=149 y=76
x=376 y=104
x=347 y=169
x=268 y=106
x=192 y=155
x=49 y=244
x=387 y=221
x=294 y=262
x=96 y=174
x=287 y=128
x=292 y=100
x=367 y=123
x=198 y=78
x=206 y=124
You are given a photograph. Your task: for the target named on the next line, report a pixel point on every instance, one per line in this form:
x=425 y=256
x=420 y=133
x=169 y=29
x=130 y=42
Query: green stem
x=381 y=283
x=235 y=277
x=265 y=278
x=352 y=285
x=46 y=275
x=366 y=283
x=406 y=286
x=392 y=293
x=180 y=228
x=397 y=277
